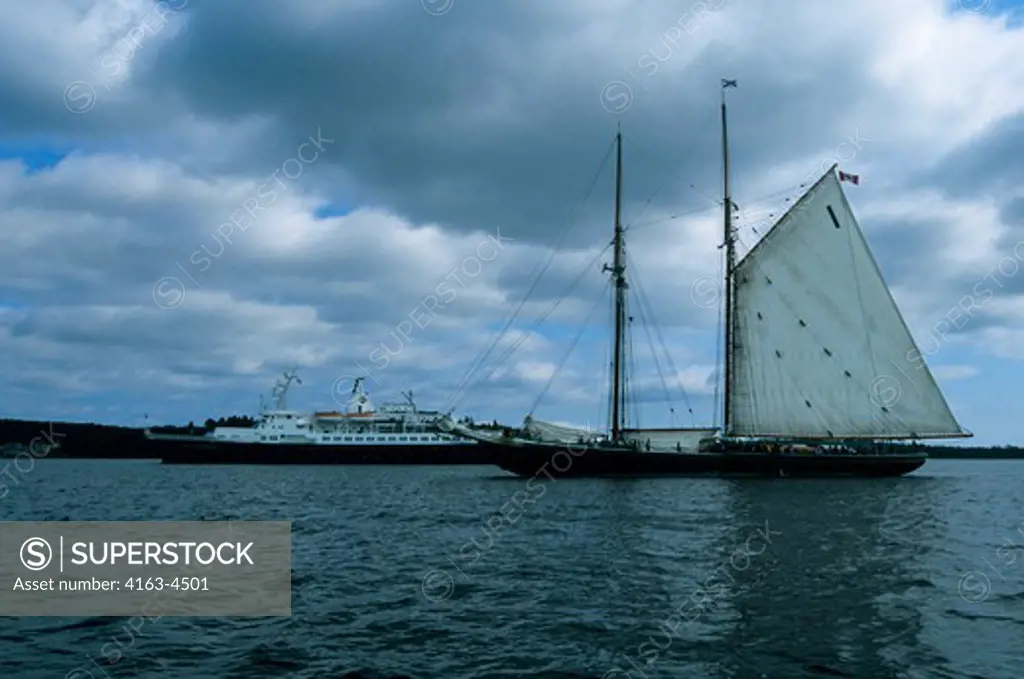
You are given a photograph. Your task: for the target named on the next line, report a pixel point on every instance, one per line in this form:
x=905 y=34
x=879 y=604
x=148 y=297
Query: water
x=914 y=577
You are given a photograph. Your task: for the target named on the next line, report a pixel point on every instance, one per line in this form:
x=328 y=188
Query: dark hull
x=210 y=452
x=561 y=462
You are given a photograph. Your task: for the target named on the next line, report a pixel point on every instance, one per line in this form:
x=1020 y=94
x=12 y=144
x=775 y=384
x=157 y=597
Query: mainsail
x=821 y=349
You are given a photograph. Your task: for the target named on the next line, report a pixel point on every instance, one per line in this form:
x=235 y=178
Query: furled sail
x=821 y=349
x=556 y=433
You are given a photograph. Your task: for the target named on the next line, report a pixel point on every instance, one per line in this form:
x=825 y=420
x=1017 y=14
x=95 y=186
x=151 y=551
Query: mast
x=618 y=271
x=730 y=262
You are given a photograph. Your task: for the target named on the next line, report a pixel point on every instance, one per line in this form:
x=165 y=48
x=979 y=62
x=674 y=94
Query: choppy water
x=396 y=572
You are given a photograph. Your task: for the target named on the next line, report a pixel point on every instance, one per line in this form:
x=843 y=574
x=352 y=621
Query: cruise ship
x=393 y=434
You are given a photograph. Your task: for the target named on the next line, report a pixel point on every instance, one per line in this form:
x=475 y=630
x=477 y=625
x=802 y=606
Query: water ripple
x=596 y=579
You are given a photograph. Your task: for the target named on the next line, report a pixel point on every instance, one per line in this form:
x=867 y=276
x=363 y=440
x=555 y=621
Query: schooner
x=811 y=334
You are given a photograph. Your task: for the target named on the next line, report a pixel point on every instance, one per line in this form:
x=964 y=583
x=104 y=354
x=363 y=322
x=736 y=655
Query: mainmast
x=618 y=270
x=730 y=262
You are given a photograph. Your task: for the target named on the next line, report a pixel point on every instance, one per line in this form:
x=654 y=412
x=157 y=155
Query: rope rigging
x=540 y=319
x=719 y=376
x=459 y=394
x=605 y=413
x=629 y=390
x=718 y=204
x=657 y=364
x=645 y=302
x=678 y=164
x=572 y=346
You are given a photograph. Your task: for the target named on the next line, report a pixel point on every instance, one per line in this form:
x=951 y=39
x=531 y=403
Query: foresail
x=820 y=347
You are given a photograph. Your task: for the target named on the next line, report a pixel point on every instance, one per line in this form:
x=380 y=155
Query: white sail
x=556 y=433
x=821 y=349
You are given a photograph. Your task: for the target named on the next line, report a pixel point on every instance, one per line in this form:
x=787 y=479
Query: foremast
x=618 y=272
x=729 y=242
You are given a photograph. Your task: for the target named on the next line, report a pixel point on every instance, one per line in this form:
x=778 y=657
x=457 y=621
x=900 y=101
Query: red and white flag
x=852 y=178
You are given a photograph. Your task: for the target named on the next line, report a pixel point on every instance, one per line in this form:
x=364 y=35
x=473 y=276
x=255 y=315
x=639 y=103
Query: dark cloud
x=989 y=164
x=1012 y=213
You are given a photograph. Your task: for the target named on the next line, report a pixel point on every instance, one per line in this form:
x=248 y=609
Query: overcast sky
x=197 y=195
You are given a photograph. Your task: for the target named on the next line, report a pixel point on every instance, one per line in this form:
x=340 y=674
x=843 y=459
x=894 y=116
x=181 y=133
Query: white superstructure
x=393 y=424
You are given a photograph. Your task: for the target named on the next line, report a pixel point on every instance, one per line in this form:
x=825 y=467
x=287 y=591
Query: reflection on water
x=915 y=577
x=837 y=598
